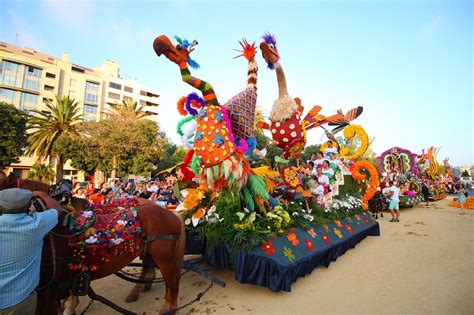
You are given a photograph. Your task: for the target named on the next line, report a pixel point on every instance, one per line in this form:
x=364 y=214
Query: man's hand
x=49 y=202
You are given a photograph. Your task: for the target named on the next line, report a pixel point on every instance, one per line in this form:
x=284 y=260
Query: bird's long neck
x=282 y=89
x=205 y=88
x=252 y=74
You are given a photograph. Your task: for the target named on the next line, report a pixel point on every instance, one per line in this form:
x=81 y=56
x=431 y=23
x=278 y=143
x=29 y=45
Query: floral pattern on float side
x=109 y=230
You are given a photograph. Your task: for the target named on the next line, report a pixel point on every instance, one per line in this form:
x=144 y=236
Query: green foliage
x=465 y=174
x=82 y=151
x=308 y=151
x=41 y=172
x=12 y=134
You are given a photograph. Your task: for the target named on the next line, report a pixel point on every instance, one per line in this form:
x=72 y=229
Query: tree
x=128 y=109
x=465 y=174
x=61 y=118
x=81 y=151
x=42 y=172
x=12 y=134
x=308 y=151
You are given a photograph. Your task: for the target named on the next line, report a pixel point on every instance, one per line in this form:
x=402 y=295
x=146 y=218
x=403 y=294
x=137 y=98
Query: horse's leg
x=147 y=273
x=70 y=305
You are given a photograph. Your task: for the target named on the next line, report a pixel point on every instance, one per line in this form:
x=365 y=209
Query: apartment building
x=30 y=79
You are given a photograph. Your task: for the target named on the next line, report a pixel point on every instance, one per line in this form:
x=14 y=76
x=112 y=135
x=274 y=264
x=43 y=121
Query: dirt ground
x=422 y=265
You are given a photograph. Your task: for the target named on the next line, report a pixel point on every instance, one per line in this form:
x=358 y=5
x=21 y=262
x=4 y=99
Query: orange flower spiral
x=372 y=184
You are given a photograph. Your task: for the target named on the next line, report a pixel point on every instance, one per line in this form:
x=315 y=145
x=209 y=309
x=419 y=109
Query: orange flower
x=293 y=239
x=338 y=223
x=372 y=184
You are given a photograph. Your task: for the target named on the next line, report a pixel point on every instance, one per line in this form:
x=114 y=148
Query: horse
x=12 y=182
x=164 y=242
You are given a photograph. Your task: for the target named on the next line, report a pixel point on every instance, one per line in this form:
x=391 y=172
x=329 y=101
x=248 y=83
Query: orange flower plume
x=372 y=184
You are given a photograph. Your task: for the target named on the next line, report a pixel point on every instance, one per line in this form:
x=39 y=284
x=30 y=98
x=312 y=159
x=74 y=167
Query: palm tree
x=61 y=118
x=127 y=109
x=42 y=172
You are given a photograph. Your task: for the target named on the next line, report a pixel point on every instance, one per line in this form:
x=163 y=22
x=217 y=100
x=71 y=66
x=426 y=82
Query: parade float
x=428 y=167
x=269 y=226
x=400 y=165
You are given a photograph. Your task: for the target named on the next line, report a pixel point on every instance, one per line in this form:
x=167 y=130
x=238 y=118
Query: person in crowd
x=393 y=206
x=75 y=188
x=462 y=199
x=104 y=187
x=312 y=158
x=334 y=163
x=316 y=189
x=98 y=197
x=330 y=149
x=81 y=193
x=322 y=179
x=329 y=172
x=376 y=204
x=319 y=159
x=144 y=193
x=129 y=188
x=21 y=244
x=425 y=191
x=90 y=189
x=311 y=167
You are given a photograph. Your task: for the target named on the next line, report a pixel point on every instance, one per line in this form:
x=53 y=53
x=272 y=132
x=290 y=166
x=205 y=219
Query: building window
x=142 y=93
x=115 y=86
x=89 y=118
x=76 y=69
x=7 y=95
x=49 y=88
x=128 y=89
x=32 y=85
x=50 y=75
x=92 y=90
x=114 y=96
x=10 y=66
x=28 y=101
x=10 y=80
x=90 y=110
x=91 y=98
x=47 y=100
x=127 y=99
x=34 y=72
x=91 y=86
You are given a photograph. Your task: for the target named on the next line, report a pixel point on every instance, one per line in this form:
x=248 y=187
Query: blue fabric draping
x=294 y=255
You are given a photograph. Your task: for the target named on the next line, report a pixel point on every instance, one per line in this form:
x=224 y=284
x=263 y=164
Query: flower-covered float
x=274 y=223
x=398 y=164
x=428 y=168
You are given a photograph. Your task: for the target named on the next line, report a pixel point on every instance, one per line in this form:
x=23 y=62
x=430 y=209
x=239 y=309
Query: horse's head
x=61 y=192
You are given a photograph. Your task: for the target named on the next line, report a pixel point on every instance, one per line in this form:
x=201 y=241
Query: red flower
x=366 y=221
x=293 y=239
x=349 y=229
x=325 y=239
x=309 y=245
x=268 y=248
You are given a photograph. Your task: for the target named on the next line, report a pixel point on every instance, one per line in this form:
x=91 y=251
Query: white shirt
x=328 y=171
x=328 y=151
x=335 y=162
x=317 y=162
x=323 y=180
x=318 y=190
x=396 y=193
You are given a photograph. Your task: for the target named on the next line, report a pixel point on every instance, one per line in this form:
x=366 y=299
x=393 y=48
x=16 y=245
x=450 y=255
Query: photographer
x=21 y=243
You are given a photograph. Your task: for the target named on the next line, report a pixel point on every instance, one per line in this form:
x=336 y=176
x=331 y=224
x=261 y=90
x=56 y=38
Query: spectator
x=90 y=189
x=462 y=199
x=393 y=205
x=330 y=149
x=425 y=191
x=75 y=188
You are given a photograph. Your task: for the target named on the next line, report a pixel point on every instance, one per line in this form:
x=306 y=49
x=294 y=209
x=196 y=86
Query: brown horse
x=56 y=278
x=12 y=182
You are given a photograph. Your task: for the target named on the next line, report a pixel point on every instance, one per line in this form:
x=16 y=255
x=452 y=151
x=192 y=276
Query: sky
x=408 y=63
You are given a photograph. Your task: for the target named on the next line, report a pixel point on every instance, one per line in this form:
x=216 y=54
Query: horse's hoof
x=131 y=298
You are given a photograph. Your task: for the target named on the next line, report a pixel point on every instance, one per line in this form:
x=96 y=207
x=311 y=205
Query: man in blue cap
x=21 y=242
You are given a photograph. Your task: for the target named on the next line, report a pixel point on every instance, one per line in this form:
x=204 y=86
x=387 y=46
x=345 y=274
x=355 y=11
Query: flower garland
x=109 y=230
x=350 y=132
x=372 y=184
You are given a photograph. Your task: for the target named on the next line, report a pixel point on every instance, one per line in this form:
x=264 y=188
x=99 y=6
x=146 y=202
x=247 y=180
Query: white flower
x=295 y=214
x=117 y=241
x=121 y=222
x=87 y=214
x=91 y=240
x=187 y=221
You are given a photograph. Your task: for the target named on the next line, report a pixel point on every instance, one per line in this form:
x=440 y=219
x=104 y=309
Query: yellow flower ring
x=290 y=177
x=371 y=185
x=350 y=132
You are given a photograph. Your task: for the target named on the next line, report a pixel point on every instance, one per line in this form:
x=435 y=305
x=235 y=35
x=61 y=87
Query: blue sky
x=408 y=63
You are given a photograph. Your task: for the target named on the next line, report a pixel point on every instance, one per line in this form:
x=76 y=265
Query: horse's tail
x=181 y=244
